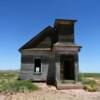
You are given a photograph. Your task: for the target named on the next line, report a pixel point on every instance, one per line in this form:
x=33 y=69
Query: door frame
x=62 y=67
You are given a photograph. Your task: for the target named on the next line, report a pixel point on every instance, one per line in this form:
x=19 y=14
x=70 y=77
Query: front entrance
x=67 y=67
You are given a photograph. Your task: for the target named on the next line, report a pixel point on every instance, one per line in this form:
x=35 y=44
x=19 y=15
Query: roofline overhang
x=49 y=28
x=64 y=21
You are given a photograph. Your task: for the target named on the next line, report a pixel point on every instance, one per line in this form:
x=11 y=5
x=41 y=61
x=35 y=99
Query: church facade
x=52 y=55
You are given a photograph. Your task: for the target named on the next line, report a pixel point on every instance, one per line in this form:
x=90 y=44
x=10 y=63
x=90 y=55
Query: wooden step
x=69 y=86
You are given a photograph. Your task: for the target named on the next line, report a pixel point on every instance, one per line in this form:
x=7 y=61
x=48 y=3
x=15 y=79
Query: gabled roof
x=48 y=31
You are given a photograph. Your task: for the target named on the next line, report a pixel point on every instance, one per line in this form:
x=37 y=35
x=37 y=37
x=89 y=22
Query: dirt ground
x=51 y=93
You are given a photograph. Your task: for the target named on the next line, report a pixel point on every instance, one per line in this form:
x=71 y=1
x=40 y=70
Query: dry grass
x=47 y=92
x=9 y=83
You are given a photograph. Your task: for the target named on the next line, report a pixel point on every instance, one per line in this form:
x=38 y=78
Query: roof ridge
x=36 y=37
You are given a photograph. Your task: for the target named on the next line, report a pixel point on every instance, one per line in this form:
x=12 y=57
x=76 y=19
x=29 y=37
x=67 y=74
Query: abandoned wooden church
x=52 y=55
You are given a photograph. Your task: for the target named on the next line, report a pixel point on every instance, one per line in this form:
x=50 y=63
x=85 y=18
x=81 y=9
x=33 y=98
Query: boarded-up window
x=37 y=67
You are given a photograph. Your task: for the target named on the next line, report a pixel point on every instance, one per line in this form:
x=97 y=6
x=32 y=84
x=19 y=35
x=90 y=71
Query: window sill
x=37 y=73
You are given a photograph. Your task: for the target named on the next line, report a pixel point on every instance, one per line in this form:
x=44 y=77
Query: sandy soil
x=51 y=93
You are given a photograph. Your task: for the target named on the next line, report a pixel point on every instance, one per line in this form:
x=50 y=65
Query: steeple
x=65 y=30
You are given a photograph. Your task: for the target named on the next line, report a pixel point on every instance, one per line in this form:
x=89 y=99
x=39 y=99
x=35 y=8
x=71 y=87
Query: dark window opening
x=37 y=67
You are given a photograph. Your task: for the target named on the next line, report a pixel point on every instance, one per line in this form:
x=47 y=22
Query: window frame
x=35 y=72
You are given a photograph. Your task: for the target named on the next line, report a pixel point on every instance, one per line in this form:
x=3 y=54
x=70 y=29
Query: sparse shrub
x=9 y=83
x=90 y=88
x=89 y=85
x=18 y=86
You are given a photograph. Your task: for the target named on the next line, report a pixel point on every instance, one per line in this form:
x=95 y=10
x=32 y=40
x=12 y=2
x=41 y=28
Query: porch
x=67 y=64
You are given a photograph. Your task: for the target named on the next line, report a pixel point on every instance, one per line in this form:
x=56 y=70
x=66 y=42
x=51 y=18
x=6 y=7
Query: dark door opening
x=68 y=69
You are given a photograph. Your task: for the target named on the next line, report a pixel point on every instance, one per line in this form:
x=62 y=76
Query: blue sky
x=20 y=20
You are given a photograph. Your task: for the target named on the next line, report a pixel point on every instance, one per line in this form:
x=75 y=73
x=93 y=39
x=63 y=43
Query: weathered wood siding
x=65 y=32
x=76 y=57
x=46 y=43
x=27 y=65
x=51 y=76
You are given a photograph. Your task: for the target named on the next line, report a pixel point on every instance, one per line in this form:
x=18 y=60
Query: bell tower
x=65 y=30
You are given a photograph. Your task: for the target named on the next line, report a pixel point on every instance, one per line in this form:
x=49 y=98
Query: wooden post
x=76 y=68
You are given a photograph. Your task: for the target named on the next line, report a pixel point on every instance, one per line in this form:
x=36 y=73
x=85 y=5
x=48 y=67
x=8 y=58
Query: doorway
x=67 y=67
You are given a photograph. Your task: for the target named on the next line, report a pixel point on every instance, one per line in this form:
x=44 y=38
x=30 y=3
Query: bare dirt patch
x=51 y=93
